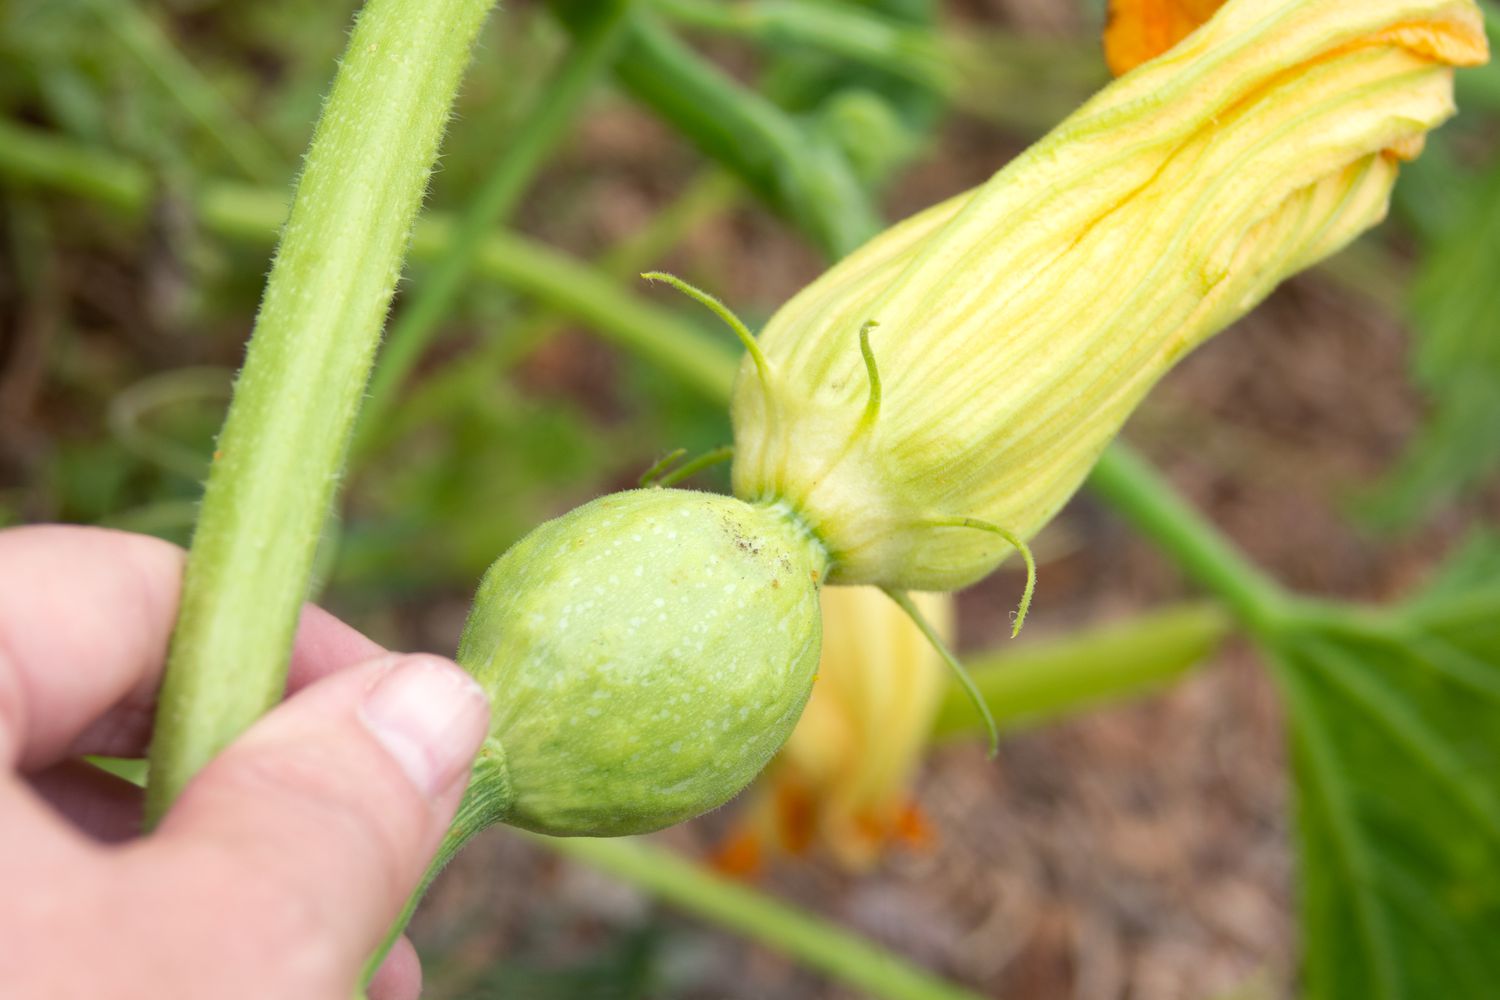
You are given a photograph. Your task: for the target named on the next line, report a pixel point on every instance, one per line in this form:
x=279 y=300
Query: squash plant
x=907 y=421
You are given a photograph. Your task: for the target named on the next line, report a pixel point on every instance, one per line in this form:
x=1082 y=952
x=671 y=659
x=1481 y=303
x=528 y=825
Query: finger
x=324 y=645
x=33 y=838
x=107 y=808
x=328 y=810
x=399 y=976
x=85 y=617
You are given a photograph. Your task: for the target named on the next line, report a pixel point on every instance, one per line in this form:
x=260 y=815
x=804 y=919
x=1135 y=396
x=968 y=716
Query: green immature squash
x=646 y=654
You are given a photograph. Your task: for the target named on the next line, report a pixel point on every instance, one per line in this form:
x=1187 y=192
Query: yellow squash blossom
x=966 y=368
x=843 y=779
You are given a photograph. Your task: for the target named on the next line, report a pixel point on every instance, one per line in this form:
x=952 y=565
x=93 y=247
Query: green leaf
x=1396 y=739
x=1457 y=360
x=1473 y=568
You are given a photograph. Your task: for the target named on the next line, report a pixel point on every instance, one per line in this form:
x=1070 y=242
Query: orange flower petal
x=1141 y=30
x=796 y=816
x=914 y=829
x=740 y=856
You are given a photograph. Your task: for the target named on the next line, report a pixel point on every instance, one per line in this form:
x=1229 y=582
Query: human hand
x=284 y=862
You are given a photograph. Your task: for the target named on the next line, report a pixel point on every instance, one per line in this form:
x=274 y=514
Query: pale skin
x=281 y=867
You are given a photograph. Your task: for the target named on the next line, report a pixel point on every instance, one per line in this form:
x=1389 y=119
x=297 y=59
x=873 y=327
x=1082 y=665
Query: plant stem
x=140 y=35
x=1028 y=684
x=485 y=803
x=527 y=150
x=869 y=969
x=701 y=361
x=129 y=408
x=1150 y=503
x=858 y=34
x=30 y=155
x=279 y=455
x=464 y=377
x=799 y=171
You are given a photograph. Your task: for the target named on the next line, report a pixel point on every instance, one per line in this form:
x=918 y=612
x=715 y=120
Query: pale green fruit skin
x=646 y=654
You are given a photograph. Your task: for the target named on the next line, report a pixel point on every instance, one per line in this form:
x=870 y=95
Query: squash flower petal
x=843 y=780
x=1138 y=30
x=1020 y=323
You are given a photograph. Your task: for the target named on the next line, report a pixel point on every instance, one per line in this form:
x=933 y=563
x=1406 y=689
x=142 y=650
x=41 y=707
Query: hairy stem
x=492 y=205
x=282 y=447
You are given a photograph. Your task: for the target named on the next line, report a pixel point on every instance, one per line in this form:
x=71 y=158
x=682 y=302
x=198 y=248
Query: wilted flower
x=1020 y=323
x=843 y=779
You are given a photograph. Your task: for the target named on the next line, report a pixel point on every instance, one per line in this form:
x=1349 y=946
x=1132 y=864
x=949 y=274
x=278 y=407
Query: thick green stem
x=283 y=443
x=869 y=969
x=1159 y=512
x=496 y=199
x=1030 y=683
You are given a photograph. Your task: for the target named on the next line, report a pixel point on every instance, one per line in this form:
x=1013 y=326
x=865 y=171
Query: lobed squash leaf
x=1455 y=314
x=1396 y=742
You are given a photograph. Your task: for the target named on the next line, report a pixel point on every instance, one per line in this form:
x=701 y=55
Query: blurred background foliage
x=146 y=152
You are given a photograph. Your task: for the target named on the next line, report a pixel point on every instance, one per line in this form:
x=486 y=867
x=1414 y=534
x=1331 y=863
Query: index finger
x=85 y=618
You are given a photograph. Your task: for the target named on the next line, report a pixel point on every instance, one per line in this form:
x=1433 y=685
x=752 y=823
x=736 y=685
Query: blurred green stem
x=466 y=377
x=1033 y=682
x=1149 y=502
x=525 y=153
x=797 y=170
x=283 y=443
x=128 y=416
x=856 y=33
x=869 y=969
x=701 y=361
x=139 y=34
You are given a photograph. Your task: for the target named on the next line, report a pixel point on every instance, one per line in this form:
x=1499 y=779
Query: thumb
x=319 y=821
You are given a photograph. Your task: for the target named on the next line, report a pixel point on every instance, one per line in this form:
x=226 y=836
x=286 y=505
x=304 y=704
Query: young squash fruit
x=647 y=653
